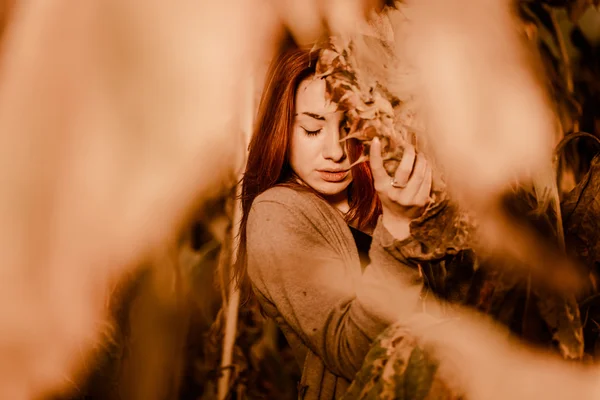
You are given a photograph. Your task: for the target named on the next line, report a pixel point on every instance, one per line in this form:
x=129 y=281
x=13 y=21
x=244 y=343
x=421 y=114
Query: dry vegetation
x=120 y=131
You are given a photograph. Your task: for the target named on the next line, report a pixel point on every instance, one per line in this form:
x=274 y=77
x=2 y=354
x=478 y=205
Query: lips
x=334 y=176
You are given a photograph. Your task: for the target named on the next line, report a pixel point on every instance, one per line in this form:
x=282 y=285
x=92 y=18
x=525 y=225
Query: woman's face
x=316 y=154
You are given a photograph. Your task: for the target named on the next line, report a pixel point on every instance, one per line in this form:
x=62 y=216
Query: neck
x=339 y=201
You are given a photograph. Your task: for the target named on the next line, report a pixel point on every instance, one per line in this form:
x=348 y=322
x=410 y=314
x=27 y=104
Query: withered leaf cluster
x=368 y=107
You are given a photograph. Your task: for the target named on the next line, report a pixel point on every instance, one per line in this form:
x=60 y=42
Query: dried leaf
x=442 y=230
x=577 y=8
x=397 y=367
x=581 y=216
x=561 y=315
x=541 y=13
x=369 y=107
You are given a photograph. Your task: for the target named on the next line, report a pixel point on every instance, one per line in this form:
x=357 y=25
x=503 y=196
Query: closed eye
x=312 y=133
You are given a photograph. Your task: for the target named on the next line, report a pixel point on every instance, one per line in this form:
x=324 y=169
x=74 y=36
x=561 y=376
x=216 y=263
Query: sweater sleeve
x=335 y=311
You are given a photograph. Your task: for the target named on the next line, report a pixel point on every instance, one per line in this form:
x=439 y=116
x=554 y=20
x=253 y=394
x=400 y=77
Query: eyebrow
x=315 y=116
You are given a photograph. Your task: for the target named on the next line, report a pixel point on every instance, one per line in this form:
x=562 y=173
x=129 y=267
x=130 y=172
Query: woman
x=306 y=217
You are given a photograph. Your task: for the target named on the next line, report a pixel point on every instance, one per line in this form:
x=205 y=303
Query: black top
x=363 y=244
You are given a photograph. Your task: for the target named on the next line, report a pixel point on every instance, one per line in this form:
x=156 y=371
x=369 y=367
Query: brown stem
x=229 y=341
x=223 y=269
x=231 y=316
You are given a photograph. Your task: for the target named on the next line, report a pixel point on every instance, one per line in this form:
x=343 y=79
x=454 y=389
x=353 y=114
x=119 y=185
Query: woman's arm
x=335 y=310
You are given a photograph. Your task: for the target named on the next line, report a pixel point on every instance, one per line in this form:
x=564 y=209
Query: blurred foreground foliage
x=165 y=339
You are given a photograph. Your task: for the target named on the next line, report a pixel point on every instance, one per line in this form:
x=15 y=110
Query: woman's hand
x=403 y=197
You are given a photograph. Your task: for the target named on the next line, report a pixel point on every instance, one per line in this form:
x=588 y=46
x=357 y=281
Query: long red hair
x=268 y=154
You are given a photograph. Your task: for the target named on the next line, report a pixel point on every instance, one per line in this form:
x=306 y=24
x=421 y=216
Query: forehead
x=310 y=97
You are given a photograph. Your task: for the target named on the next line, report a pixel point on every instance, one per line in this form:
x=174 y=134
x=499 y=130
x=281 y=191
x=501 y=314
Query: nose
x=332 y=148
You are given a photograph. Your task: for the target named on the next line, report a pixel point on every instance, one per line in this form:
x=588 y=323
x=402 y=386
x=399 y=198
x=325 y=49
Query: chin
x=331 y=188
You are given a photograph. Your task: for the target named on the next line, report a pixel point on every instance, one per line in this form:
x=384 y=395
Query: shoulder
x=285 y=221
x=288 y=206
x=294 y=200
x=287 y=195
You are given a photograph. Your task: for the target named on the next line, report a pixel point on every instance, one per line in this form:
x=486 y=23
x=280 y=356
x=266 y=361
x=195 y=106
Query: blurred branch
x=234 y=294
x=229 y=342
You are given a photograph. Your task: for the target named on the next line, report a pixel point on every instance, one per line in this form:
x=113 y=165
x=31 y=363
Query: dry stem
x=234 y=294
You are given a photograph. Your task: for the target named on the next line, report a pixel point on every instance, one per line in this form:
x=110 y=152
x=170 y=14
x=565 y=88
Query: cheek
x=303 y=151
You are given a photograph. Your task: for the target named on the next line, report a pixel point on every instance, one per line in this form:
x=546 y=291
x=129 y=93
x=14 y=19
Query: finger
x=380 y=177
x=422 y=196
x=419 y=171
x=405 y=167
x=415 y=180
x=406 y=196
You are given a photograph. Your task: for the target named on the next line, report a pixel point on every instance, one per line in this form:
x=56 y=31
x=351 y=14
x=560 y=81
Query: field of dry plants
x=123 y=131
